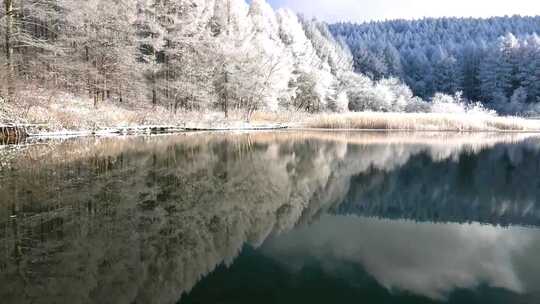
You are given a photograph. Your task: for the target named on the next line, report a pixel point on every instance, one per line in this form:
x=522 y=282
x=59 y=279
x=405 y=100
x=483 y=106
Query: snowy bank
x=72 y=116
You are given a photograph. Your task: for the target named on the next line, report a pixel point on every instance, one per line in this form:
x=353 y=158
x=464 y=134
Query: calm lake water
x=278 y=217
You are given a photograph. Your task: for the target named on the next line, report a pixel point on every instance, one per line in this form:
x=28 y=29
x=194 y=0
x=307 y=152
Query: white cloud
x=365 y=10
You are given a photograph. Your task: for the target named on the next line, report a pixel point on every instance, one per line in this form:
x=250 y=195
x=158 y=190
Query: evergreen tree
x=487 y=59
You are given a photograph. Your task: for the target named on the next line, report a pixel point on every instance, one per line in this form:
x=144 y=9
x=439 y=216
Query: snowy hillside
x=141 y=62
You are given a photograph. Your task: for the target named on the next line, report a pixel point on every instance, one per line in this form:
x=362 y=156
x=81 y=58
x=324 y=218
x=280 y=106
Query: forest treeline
x=228 y=55
x=495 y=60
x=182 y=54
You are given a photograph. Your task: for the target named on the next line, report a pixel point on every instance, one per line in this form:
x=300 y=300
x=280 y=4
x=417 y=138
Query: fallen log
x=239 y=128
x=135 y=130
x=12 y=133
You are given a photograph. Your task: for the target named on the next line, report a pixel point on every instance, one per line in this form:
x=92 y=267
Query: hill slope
x=494 y=60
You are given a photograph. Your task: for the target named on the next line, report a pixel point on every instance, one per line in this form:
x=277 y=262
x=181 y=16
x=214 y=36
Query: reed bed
x=421 y=122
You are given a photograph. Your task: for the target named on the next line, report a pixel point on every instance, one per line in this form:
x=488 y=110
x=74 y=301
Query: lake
x=272 y=217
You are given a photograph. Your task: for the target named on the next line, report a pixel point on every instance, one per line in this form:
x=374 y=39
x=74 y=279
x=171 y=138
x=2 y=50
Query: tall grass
x=465 y=122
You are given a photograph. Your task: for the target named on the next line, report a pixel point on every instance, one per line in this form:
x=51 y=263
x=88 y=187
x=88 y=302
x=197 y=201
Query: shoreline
x=343 y=122
x=115 y=133
x=65 y=115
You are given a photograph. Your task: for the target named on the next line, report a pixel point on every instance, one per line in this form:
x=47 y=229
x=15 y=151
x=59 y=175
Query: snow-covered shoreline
x=363 y=121
x=142 y=130
x=266 y=121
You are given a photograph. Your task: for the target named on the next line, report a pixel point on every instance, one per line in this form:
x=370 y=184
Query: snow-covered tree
x=487 y=59
x=234 y=55
x=519 y=96
x=28 y=29
x=98 y=42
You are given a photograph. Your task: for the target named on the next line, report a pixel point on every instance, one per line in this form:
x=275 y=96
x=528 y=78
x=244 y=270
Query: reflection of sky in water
x=423 y=258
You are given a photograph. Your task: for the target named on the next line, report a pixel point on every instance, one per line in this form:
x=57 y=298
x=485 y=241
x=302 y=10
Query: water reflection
x=125 y=220
x=498 y=186
x=423 y=258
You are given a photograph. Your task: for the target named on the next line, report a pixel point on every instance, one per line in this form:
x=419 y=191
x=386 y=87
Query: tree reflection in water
x=144 y=219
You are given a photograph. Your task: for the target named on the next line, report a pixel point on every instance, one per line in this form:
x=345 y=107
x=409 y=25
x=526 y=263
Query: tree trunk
x=226 y=97
x=154 y=96
x=87 y=60
x=154 y=90
x=226 y=106
x=167 y=69
x=103 y=93
x=9 y=47
x=96 y=97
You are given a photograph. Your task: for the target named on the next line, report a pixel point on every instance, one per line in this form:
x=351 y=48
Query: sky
x=368 y=10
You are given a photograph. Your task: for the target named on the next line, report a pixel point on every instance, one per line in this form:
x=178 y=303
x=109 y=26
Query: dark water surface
x=277 y=217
